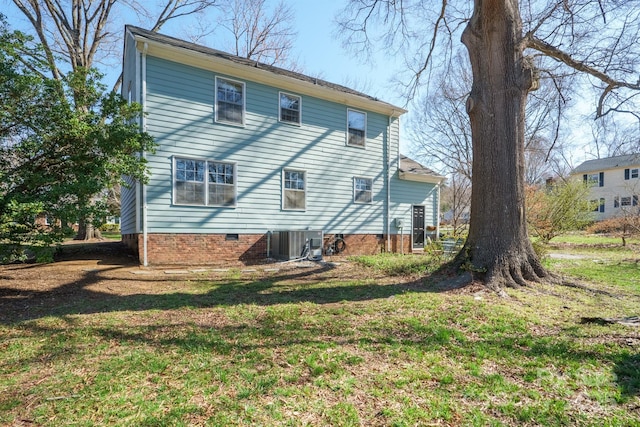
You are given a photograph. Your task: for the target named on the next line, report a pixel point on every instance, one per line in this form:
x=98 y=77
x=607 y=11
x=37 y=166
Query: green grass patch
x=112 y=235
x=299 y=349
x=592 y=239
x=397 y=264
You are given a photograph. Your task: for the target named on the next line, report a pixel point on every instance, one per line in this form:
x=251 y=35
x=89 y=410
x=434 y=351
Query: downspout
x=269 y=244
x=398 y=163
x=145 y=260
x=388 y=219
x=438 y=213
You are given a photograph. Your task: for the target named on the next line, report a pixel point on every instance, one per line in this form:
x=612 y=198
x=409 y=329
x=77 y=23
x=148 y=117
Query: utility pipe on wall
x=388 y=219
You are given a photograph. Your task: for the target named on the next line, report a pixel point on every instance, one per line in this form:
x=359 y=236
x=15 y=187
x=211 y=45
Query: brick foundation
x=223 y=249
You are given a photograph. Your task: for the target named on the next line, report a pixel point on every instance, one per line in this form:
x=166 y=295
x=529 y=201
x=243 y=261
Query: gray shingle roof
x=172 y=41
x=608 y=163
x=411 y=166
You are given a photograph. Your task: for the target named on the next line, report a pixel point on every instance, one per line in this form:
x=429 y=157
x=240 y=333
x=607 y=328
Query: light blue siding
x=180 y=105
x=405 y=194
x=128 y=208
x=131 y=90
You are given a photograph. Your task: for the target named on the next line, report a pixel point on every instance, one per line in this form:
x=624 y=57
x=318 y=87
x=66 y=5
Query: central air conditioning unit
x=298 y=244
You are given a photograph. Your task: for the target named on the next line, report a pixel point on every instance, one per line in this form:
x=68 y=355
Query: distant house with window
x=614 y=182
x=256 y=162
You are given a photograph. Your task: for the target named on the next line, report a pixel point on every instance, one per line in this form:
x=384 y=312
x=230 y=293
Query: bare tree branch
x=259 y=33
x=532 y=42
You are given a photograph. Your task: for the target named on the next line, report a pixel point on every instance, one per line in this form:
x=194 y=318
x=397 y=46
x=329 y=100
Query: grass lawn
x=112 y=235
x=342 y=346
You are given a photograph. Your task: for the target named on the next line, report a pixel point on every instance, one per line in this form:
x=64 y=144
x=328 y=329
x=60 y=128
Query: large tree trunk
x=498 y=248
x=86 y=231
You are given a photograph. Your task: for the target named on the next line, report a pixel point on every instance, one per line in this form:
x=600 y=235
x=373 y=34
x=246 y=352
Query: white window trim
x=593 y=182
x=364 y=145
x=284 y=189
x=637 y=172
x=299 y=122
x=355 y=190
x=244 y=102
x=206 y=182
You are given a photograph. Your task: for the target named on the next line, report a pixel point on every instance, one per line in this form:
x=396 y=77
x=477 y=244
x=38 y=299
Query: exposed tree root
x=627 y=321
x=572 y=284
x=513 y=272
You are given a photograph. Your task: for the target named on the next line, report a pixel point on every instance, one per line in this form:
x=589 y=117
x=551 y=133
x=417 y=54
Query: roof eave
x=221 y=65
x=418 y=177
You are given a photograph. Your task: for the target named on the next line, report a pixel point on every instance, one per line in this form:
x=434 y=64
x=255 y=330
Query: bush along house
x=256 y=162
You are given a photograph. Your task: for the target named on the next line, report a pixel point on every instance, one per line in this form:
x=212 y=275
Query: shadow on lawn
x=83 y=295
x=627 y=371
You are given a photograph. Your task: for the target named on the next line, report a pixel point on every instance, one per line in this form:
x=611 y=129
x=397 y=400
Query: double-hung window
x=594 y=179
x=230 y=101
x=294 y=189
x=204 y=183
x=222 y=188
x=598 y=205
x=362 y=190
x=356 y=128
x=290 y=108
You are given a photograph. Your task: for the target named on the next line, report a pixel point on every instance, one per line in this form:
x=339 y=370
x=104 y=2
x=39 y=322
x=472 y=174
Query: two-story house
x=614 y=182
x=250 y=155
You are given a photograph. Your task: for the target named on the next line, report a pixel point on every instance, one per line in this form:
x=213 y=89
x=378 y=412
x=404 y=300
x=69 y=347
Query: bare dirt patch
x=103 y=276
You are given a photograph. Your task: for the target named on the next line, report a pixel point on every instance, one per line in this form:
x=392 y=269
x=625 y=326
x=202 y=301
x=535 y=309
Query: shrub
x=110 y=228
x=555 y=210
x=622 y=226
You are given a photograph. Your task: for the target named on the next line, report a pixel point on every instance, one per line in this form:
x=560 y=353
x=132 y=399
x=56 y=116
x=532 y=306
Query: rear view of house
x=250 y=156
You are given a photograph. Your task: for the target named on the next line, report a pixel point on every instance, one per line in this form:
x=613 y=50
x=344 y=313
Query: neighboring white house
x=615 y=184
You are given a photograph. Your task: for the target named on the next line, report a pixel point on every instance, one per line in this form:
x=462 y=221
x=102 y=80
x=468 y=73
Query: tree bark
x=86 y=231
x=498 y=248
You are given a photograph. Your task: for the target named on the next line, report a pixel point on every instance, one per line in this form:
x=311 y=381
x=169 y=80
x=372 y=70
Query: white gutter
x=438 y=213
x=417 y=177
x=210 y=62
x=145 y=261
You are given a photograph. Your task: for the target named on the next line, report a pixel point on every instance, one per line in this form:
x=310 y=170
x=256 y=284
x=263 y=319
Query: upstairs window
x=362 y=190
x=204 y=183
x=594 y=179
x=229 y=101
x=289 y=108
x=294 y=191
x=356 y=125
x=631 y=173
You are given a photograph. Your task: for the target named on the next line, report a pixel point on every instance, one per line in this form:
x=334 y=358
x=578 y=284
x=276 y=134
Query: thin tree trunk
x=498 y=249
